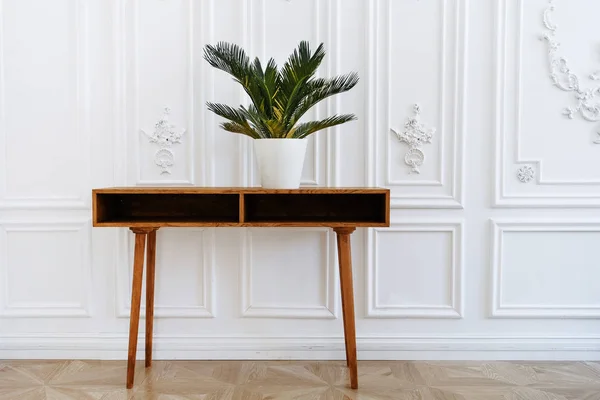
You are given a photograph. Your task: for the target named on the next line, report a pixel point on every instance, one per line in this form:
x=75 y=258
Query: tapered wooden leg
x=345 y=261
x=344 y=314
x=150 y=268
x=136 y=295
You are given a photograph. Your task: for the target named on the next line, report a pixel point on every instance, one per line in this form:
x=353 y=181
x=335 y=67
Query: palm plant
x=279 y=99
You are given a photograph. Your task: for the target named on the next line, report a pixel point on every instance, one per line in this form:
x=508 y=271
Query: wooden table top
x=233 y=189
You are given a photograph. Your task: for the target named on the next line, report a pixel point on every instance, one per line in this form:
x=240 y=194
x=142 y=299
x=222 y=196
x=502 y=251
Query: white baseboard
x=171 y=347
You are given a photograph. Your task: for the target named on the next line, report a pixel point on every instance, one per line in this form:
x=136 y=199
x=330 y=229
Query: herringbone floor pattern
x=247 y=380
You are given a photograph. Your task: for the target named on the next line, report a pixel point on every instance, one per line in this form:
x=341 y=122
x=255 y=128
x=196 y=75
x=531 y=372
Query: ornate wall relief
x=587 y=99
x=526 y=173
x=415 y=135
x=165 y=136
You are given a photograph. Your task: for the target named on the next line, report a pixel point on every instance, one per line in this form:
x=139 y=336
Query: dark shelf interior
x=313 y=207
x=163 y=207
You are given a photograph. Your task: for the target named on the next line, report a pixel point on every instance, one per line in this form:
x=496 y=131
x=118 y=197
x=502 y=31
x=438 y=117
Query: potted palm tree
x=278 y=100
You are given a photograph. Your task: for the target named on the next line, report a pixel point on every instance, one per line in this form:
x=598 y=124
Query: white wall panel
x=288 y=273
x=427 y=70
x=45 y=269
x=546 y=269
x=82 y=80
x=314 y=21
x=415 y=270
x=44 y=104
x=532 y=132
x=185 y=267
x=159 y=74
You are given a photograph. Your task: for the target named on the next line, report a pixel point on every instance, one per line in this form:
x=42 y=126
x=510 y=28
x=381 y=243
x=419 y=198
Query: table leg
x=150 y=273
x=345 y=263
x=136 y=295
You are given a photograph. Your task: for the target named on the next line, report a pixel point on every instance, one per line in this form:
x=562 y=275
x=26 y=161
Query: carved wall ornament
x=415 y=135
x=165 y=136
x=588 y=99
x=526 y=173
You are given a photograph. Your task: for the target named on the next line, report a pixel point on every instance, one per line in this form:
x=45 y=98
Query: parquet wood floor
x=301 y=380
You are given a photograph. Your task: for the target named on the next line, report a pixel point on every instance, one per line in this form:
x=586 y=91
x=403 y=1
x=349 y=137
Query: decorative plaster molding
x=165 y=136
x=526 y=173
x=415 y=135
x=588 y=99
x=440 y=186
x=511 y=26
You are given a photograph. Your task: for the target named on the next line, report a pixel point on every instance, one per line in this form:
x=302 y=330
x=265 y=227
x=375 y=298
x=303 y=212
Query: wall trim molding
x=326 y=311
x=169 y=347
x=81 y=200
x=327 y=28
x=446 y=189
x=124 y=262
x=80 y=309
x=456 y=307
x=127 y=64
x=532 y=311
x=508 y=111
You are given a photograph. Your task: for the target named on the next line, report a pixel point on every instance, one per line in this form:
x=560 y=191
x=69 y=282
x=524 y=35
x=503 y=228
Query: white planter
x=280 y=162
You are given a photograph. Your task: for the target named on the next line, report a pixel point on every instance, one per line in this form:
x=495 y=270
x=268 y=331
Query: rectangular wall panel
x=45 y=269
x=546 y=268
x=544 y=157
x=315 y=22
x=414 y=270
x=44 y=104
x=288 y=273
x=416 y=90
x=185 y=278
x=158 y=91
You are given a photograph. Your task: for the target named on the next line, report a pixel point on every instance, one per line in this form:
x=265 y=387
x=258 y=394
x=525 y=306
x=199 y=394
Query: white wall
x=476 y=263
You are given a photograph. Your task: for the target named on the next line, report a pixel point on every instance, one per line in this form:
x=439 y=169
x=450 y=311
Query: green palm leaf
x=238 y=118
x=304 y=129
x=238 y=128
x=323 y=89
x=279 y=98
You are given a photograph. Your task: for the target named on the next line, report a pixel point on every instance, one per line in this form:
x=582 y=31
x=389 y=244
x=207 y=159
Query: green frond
x=230 y=58
x=308 y=128
x=279 y=98
x=238 y=119
x=238 y=128
x=323 y=89
x=227 y=112
x=257 y=120
x=233 y=59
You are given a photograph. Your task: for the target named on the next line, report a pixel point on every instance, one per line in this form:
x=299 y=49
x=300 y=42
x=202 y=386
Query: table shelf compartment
x=167 y=208
x=314 y=207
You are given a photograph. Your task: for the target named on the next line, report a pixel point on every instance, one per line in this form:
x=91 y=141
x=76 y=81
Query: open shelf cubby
x=167 y=207
x=314 y=207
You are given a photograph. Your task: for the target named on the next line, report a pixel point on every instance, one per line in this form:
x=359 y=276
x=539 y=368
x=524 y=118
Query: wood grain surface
x=347 y=289
x=136 y=297
x=150 y=280
x=301 y=380
x=234 y=189
x=152 y=207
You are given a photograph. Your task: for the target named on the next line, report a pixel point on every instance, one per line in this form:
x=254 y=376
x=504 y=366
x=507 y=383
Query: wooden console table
x=146 y=209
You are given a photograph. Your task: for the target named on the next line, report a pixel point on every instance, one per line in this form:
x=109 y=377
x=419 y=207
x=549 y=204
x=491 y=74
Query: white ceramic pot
x=280 y=162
